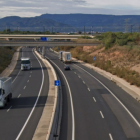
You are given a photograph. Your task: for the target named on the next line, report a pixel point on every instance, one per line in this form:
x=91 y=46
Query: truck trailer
x=66 y=57
x=5 y=90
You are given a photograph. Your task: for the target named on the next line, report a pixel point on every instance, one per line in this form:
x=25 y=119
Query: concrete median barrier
x=46 y=129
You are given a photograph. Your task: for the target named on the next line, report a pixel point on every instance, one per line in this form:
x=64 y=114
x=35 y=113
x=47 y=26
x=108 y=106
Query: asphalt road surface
x=101 y=109
x=19 y=119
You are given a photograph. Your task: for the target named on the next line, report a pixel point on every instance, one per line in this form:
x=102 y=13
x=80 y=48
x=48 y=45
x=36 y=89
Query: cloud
x=29 y=8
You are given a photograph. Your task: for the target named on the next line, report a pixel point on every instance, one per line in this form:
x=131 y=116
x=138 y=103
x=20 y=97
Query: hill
x=14 y=21
x=78 y=20
x=75 y=22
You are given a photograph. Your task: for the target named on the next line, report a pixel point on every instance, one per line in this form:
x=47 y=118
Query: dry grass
x=116 y=60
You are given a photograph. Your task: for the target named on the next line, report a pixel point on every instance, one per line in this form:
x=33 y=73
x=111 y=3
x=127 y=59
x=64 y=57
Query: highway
x=93 y=106
x=19 y=119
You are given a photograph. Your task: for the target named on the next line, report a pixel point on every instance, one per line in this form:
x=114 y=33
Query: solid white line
x=6 y=80
x=110 y=136
x=72 y=108
x=9 y=109
x=16 y=77
x=114 y=97
x=94 y=99
x=19 y=95
x=24 y=87
x=89 y=89
x=35 y=102
x=84 y=82
x=102 y=114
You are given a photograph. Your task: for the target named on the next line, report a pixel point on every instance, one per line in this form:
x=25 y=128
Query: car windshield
x=25 y=62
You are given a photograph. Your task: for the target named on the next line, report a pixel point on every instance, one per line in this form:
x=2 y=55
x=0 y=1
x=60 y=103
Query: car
x=66 y=67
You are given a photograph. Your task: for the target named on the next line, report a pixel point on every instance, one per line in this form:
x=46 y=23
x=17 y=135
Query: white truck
x=25 y=63
x=66 y=57
x=60 y=55
x=5 y=91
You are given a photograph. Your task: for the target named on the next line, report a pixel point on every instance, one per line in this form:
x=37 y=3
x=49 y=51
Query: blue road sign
x=94 y=58
x=57 y=82
x=43 y=38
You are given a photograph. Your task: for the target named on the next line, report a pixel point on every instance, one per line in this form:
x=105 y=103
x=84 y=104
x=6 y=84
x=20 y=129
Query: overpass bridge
x=25 y=36
x=52 y=44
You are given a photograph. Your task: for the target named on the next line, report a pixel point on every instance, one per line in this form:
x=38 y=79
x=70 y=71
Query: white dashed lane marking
x=88 y=89
x=110 y=136
x=102 y=114
x=19 y=95
x=94 y=99
x=9 y=109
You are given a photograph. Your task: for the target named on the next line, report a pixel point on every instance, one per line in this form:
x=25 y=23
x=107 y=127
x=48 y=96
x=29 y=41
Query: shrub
x=121 y=42
x=107 y=45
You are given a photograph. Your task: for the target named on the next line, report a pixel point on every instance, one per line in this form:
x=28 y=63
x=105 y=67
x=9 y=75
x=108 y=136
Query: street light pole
x=84 y=30
x=131 y=28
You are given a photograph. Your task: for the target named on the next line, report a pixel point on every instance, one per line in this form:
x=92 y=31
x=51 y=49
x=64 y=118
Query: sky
x=32 y=8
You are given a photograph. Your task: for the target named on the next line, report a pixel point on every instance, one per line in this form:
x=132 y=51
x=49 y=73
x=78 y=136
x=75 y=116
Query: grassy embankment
x=6 y=54
x=117 y=54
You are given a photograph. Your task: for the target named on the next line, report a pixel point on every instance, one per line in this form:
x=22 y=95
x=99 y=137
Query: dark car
x=66 y=67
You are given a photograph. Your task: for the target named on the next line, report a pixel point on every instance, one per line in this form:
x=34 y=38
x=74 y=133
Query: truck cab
x=61 y=55
x=5 y=91
x=25 y=63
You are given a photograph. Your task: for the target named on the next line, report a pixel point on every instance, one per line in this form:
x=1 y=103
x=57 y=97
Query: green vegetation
x=6 y=54
x=110 y=39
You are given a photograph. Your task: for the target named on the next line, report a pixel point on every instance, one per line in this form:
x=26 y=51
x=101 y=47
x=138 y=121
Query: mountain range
x=15 y=21
x=97 y=21
x=79 y=20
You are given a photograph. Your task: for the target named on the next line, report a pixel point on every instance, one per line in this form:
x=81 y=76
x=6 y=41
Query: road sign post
x=43 y=38
x=94 y=58
x=57 y=82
